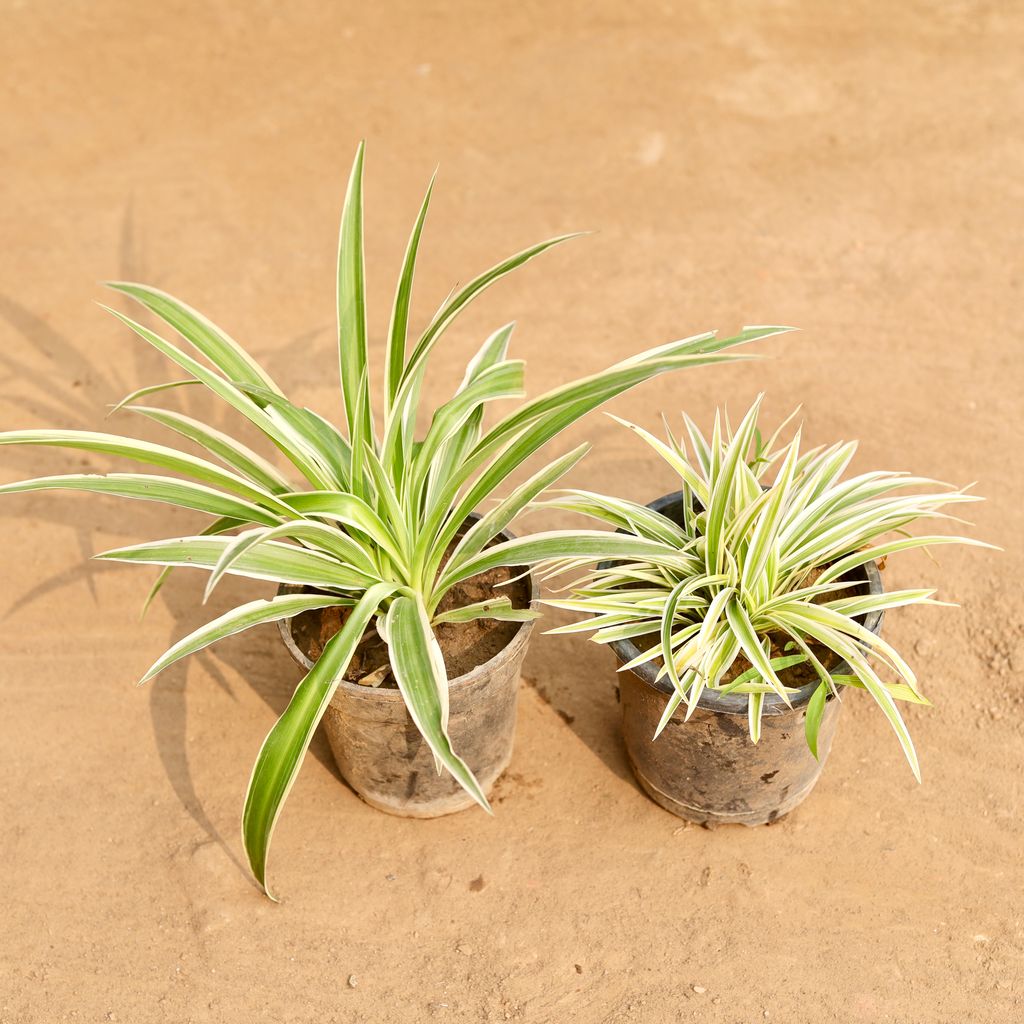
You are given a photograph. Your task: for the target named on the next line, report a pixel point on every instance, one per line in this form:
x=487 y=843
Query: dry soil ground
x=854 y=169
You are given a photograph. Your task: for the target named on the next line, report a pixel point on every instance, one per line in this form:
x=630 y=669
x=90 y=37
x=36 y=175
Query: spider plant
x=761 y=578
x=375 y=510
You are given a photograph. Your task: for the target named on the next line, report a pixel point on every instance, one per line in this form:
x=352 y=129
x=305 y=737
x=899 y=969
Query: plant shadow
x=60 y=383
x=577 y=680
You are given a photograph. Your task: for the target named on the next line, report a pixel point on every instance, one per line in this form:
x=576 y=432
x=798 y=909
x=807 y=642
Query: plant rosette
x=378 y=532
x=734 y=653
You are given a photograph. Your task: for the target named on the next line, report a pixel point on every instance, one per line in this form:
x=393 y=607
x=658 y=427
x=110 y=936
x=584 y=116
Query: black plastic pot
x=708 y=770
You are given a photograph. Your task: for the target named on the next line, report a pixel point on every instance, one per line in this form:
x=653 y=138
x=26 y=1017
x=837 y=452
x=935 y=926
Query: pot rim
x=736 y=703
x=509 y=651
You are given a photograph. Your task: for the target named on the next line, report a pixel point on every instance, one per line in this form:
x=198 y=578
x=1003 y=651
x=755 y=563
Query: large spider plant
x=761 y=578
x=376 y=511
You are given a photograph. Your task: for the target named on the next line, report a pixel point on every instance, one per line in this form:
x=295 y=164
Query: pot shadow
x=577 y=680
x=59 y=383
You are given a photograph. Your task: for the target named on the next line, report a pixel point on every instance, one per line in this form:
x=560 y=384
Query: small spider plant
x=375 y=511
x=764 y=575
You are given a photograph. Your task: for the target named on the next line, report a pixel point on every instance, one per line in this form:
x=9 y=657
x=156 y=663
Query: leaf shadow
x=62 y=383
x=577 y=680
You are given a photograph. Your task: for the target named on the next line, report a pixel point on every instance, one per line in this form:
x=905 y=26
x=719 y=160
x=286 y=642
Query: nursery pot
x=708 y=770
x=380 y=752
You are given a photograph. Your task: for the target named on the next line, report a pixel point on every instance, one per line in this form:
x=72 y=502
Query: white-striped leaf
x=286 y=744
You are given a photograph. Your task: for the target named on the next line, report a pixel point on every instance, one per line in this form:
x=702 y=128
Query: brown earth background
x=852 y=169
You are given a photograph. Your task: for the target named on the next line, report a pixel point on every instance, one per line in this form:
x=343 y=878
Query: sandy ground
x=852 y=169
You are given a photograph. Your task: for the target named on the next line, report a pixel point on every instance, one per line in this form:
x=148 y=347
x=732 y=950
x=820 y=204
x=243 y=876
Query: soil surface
x=464 y=645
x=852 y=169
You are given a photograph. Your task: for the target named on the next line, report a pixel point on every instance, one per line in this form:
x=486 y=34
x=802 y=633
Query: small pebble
x=699 y=989
x=353 y=981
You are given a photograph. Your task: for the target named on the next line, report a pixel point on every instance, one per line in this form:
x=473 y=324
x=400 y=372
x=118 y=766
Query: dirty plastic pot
x=380 y=752
x=708 y=770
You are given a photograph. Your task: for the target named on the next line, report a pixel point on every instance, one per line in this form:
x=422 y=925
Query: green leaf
x=325 y=538
x=898 y=691
x=226 y=448
x=450 y=310
x=874 y=553
x=489 y=525
x=420 y=674
x=357 y=481
x=279 y=563
x=672 y=456
x=241 y=618
x=723 y=487
x=494 y=608
x=352 y=307
x=287 y=742
x=755 y=705
x=863 y=605
x=623 y=515
x=217 y=527
x=519 y=435
x=700 y=446
x=143 y=451
x=235 y=547
x=715 y=645
x=150 y=389
x=230 y=393
x=884 y=699
x=753 y=675
x=851 y=653
x=457 y=446
x=503 y=380
x=670 y=710
x=668 y=619
x=227 y=355
x=811 y=618
x=752 y=647
x=761 y=545
x=653 y=652
x=540 y=547
x=354 y=512
x=319 y=441
x=142 y=486
x=590 y=392
x=812 y=723
x=386 y=500
x=394 y=364
x=829 y=539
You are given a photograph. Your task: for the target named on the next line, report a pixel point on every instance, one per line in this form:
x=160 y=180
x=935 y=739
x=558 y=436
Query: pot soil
x=377 y=747
x=708 y=770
